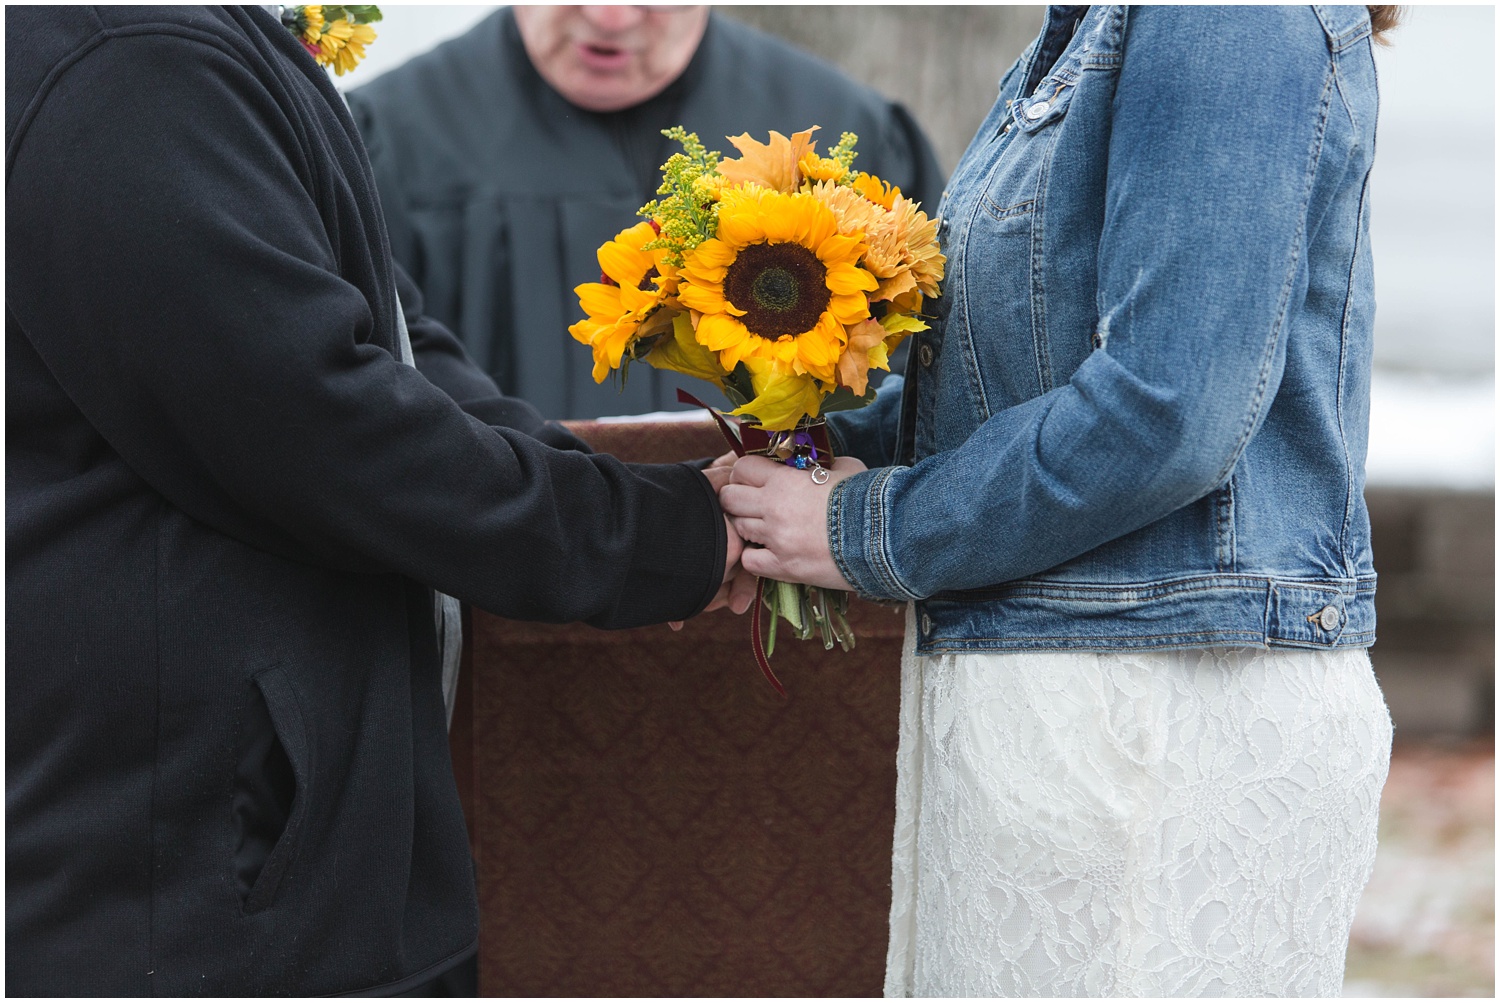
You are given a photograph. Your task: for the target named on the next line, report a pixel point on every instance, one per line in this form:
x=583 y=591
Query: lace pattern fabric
x=1158 y=823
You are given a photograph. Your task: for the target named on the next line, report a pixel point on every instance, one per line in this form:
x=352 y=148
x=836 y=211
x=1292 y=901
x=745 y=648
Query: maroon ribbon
x=683 y=397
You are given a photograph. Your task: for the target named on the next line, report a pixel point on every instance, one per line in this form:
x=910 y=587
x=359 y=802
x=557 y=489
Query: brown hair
x=1382 y=19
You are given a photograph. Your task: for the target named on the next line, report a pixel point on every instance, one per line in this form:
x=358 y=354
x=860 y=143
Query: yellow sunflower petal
x=584 y=330
x=818 y=350
x=845 y=279
x=719 y=331
x=712 y=253
x=638 y=301
x=625 y=264
x=849 y=308
x=599 y=301
x=740 y=226
x=701 y=296
x=839 y=249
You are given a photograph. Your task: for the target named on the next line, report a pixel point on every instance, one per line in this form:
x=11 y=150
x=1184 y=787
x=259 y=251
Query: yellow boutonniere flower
x=334 y=35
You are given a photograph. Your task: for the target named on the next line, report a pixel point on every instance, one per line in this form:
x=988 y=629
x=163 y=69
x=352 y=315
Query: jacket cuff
x=858 y=535
x=678 y=561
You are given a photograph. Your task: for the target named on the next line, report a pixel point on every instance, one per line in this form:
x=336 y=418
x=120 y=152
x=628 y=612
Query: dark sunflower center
x=782 y=288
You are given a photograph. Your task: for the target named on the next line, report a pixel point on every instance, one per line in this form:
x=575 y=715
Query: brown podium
x=649 y=818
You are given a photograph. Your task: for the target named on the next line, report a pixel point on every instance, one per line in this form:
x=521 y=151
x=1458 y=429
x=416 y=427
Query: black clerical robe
x=498 y=192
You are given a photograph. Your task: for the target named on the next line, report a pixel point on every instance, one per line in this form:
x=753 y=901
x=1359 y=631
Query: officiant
x=506 y=156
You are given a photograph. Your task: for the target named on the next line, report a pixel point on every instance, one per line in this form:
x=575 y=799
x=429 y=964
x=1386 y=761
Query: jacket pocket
x=270 y=789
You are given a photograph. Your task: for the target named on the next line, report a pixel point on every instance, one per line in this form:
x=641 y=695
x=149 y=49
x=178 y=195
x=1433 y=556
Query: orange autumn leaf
x=866 y=348
x=772 y=165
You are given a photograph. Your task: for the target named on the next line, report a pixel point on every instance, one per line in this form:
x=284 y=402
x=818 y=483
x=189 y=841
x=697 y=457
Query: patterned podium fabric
x=652 y=819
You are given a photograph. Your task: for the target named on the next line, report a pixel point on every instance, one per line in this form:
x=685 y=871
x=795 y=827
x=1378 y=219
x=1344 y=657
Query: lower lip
x=605 y=61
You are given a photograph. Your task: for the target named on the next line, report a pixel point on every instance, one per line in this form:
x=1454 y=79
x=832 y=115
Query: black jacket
x=498 y=192
x=227 y=502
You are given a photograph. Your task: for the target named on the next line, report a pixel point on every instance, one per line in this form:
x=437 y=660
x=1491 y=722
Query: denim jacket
x=1139 y=417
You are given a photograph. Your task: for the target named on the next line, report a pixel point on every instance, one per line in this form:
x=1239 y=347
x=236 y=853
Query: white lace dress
x=1184 y=823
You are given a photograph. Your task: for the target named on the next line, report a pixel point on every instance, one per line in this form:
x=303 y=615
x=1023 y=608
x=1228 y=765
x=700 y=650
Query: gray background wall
x=943 y=63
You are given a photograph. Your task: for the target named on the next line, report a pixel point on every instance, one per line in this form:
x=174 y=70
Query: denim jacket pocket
x=271 y=789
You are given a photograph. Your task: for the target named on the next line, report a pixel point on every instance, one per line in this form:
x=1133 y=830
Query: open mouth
x=602 y=56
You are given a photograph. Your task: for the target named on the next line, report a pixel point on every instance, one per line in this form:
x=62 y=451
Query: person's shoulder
x=41 y=42
x=1249 y=33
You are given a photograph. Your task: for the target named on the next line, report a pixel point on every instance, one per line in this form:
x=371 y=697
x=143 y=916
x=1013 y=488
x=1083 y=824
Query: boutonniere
x=334 y=36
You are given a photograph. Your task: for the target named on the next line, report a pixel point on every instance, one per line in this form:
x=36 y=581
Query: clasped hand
x=777 y=525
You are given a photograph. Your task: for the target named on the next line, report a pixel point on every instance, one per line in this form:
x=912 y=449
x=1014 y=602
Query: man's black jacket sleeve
x=441 y=358
x=206 y=278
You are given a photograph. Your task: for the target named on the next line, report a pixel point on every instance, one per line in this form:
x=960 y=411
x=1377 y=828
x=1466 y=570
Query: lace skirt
x=1161 y=823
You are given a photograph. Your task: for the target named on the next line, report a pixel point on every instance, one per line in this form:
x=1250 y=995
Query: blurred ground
x=1426 y=924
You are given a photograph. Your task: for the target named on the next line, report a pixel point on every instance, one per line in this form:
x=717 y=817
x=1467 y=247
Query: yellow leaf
x=900 y=323
x=782 y=398
x=681 y=353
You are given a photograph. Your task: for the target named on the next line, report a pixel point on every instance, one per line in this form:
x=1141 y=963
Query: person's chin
x=603 y=92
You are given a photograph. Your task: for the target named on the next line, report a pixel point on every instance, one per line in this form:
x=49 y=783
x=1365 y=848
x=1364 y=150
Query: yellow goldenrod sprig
x=688 y=214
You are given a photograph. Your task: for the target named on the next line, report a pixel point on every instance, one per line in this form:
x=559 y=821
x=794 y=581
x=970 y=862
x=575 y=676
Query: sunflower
x=631 y=288
x=342 y=45
x=778 y=283
x=306 y=24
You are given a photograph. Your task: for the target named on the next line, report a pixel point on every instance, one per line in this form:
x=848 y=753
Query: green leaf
x=738 y=386
x=844 y=399
x=790 y=602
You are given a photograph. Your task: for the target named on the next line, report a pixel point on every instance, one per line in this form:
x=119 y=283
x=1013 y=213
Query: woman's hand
x=786 y=513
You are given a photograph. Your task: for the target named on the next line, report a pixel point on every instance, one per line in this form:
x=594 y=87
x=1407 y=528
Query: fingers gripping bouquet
x=782 y=277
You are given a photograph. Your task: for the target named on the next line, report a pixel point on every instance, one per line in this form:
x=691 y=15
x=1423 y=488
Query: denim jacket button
x=1328 y=618
x=924 y=355
x=926 y=624
x=1037 y=110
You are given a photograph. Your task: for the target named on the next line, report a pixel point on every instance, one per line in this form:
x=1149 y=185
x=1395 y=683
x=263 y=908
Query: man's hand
x=786 y=513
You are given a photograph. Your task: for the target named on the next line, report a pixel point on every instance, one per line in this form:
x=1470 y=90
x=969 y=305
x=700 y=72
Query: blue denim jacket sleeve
x=1213 y=152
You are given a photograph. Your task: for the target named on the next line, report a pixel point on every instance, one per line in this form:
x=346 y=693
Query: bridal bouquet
x=782 y=277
